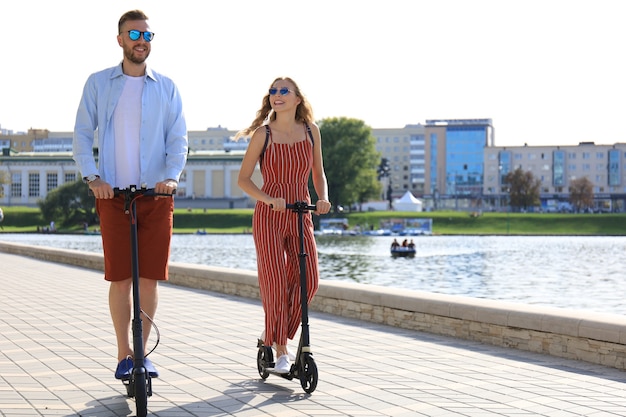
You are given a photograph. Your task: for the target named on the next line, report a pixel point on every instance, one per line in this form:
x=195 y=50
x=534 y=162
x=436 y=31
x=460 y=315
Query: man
x=142 y=140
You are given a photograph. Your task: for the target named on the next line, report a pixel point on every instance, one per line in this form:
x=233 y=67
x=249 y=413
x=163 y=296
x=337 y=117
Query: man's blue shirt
x=163 y=133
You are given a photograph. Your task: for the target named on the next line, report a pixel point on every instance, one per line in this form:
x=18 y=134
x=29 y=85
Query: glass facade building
x=464 y=160
x=614 y=167
x=558 y=168
x=504 y=167
x=455 y=159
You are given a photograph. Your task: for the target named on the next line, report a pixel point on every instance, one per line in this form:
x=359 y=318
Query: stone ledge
x=580 y=335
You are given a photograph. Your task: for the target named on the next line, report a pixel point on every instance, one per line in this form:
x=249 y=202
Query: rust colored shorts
x=155 y=219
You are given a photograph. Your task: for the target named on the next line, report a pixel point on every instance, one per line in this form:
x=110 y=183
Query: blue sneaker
x=124 y=368
x=150 y=368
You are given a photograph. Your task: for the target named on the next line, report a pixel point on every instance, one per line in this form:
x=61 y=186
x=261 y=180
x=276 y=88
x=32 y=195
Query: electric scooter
x=304 y=367
x=139 y=384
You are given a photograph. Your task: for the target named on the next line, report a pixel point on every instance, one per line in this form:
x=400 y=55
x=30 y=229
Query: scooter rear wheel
x=264 y=360
x=308 y=374
x=130 y=388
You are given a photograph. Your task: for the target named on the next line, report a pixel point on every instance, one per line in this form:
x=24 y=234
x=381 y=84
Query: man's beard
x=129 y=53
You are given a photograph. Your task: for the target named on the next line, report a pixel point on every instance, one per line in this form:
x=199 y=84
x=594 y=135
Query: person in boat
x=411 y=244
x=405 y=243
x=394 y=244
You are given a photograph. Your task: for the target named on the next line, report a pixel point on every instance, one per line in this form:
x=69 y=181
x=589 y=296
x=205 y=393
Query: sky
x=547 y=72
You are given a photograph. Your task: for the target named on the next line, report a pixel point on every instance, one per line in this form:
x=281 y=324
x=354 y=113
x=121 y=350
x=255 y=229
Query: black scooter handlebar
x=132 y=193
x=301 y=205
x=133 y=190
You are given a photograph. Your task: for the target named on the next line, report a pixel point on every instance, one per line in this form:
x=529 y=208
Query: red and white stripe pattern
x=286 y=169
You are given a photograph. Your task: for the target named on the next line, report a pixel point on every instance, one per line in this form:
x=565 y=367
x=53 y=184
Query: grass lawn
x=26 y=219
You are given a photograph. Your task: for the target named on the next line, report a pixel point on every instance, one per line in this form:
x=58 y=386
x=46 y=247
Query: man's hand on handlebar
x=165 y=188
x=101 y=189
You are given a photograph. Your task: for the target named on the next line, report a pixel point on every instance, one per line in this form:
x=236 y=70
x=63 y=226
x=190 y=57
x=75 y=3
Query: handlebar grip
x=301 y=205
x=133 y=190
x=148 y=192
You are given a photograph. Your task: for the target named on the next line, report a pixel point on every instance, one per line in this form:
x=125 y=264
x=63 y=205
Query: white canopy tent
x=407 y=203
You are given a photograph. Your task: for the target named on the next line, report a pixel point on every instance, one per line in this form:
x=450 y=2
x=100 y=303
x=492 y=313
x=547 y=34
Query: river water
x=584 y=273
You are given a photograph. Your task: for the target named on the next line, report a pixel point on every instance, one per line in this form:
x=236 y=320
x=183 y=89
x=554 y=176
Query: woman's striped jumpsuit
x=285 y=169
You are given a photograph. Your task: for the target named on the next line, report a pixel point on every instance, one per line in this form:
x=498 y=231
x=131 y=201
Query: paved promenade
x=57 y=356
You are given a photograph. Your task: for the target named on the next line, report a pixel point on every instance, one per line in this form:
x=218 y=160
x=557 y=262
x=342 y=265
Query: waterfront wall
x=592 y=337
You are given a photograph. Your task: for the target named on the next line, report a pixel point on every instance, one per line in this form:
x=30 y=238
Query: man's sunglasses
x=136 y=34
x=283 y=91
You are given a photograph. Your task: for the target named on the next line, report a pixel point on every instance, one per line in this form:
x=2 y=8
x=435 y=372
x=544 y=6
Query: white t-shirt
x=127 y=126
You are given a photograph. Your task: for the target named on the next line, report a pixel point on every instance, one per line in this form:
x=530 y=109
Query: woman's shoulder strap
x=267 y=139
x=308 y=129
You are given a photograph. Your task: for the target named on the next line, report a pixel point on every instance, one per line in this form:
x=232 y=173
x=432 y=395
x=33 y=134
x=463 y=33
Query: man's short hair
x=131 y=15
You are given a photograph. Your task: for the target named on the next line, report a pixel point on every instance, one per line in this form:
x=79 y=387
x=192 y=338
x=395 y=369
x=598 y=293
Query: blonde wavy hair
x=304 y=111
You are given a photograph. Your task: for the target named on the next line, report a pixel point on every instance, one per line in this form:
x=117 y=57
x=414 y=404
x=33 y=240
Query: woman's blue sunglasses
x=136 y=34
x=283 y=91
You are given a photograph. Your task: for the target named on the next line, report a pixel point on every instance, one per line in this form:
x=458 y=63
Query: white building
x=209 y=178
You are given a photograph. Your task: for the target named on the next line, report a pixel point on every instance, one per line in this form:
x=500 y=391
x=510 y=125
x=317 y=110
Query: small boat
x=403 y=252
x=334 y=226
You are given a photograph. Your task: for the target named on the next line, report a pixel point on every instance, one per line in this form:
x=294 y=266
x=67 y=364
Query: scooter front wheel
x=141 y=394
x=308 y=374
x=264 y=360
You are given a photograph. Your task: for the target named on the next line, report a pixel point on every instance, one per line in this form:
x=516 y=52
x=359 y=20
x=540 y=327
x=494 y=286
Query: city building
x=448 y=164
x=454 y=162
x=29 y=176
x=209 y=178
x=212 y=139
x=556 y=167
x=22 y=142
x=404 y=150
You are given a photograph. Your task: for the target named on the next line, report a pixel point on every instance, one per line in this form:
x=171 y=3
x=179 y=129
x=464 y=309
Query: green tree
x=350 y=161
x=69 y=205
x=581 y=193
x=524 y=189
x=368 y=187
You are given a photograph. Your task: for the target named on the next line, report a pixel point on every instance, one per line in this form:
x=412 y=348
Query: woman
x=287 y=144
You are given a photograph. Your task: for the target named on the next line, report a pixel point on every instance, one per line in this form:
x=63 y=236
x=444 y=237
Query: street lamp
x=384 y=171
x=508 y=210
x=506 y=190
x=456 y=193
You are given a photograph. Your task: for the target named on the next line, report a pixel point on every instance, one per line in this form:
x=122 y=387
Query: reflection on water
x=231 y=251
x=347 y=258
x=573 y=272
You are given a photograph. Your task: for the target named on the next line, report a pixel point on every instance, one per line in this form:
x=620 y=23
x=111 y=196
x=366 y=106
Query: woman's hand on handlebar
x=322 y=206
x=277 y=204
x=101 y=189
